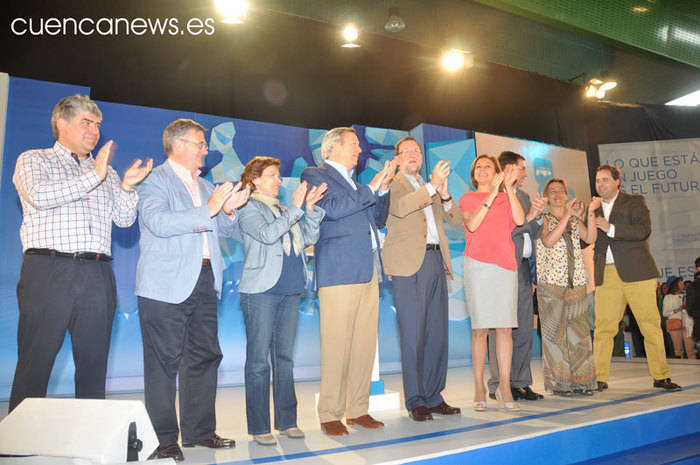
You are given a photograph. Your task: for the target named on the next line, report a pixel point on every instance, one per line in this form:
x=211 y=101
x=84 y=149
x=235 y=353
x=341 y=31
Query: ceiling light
x=599 y=87
x=394 y=23
x=691 y=100
x=640 y=9
x=350 y=34
x=233 y=11
x=455 y=59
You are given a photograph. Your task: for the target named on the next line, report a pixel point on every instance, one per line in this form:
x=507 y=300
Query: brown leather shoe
x=421 y=413
x=334 y=428
x=444 y=409
x=168 y=451
x=666 y=384
x=365 y=421
x=602 y=386
x=214 y=442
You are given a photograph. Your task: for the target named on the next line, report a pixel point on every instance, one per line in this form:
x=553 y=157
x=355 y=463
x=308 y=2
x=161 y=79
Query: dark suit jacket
x=533 y=228
x=630 y=246
x=343 y=253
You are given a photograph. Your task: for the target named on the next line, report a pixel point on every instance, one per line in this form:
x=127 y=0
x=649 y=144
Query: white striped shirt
x=65 y=205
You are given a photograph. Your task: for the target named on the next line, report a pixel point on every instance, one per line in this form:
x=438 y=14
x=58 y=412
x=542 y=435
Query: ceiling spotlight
x=394 y=23
x=598 y=88
x=455 y=59
x=350 y=34
x=233 y=11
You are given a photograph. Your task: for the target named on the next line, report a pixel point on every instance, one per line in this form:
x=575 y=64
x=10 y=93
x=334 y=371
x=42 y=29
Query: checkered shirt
x=65 y=206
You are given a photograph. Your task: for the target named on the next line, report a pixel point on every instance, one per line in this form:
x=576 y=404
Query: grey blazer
x=261 y=232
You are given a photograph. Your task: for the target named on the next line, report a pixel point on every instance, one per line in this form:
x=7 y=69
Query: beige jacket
x=407 y=229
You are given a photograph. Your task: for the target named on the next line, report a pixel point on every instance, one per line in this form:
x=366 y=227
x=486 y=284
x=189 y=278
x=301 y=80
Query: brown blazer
x=630 y=246
x=407 y=229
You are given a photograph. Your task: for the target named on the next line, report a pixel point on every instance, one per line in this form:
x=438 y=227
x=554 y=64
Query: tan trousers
x=679 y=339
x=611 y=298
x=349 y=314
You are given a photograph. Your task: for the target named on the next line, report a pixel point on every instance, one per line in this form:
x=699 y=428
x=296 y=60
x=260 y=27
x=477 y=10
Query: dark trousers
x=270 y=327
x=56 y=294
x=520 y=373
x=181 y=340
x=422 y=315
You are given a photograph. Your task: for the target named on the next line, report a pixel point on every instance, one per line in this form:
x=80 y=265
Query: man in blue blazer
x=347 y=267
x=178 y=281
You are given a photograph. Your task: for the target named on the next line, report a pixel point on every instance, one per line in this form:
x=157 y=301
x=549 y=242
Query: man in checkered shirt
x=69 y=201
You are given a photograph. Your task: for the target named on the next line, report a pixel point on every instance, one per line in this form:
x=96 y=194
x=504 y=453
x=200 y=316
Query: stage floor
x=574 y=427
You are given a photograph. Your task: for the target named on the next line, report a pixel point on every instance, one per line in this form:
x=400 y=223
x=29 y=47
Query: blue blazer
x=170 y=245
x=343 y=253
x=261 y=232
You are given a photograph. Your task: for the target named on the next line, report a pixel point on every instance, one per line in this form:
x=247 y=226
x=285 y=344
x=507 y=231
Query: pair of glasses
x=201 y=145
x=410 y=151
x=276 y=176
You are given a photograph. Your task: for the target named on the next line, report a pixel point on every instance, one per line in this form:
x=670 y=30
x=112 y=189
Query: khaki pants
x=611 y=298
x=349 y=314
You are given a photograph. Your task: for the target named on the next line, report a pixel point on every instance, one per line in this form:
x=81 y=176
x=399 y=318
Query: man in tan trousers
x=347 y=266
x=625 y=273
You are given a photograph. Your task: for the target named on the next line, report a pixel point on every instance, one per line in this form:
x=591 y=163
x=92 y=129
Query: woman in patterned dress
x=561 y=293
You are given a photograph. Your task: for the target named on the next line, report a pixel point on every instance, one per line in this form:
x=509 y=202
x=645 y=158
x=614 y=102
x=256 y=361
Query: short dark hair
x=509 y=158
x=254 y=169
x=614 y=170
x=176 y=130
x=697 y=262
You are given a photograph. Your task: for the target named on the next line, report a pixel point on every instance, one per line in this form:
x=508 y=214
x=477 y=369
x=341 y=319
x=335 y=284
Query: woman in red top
x=490 y=270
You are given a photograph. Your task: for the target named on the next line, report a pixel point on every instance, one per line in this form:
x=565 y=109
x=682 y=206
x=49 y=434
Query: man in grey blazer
x=524 y=239
x=178 y=281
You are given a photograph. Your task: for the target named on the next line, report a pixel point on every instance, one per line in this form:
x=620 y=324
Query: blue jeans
x=271 y=327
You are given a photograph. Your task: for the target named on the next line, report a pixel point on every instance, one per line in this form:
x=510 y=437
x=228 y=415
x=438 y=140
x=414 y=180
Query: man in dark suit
x=524 y=239
x=625 y=274
x=347 y=267
x=417 y=257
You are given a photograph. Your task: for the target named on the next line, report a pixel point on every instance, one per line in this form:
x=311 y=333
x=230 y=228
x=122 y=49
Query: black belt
x=432 y=247
x=75 y=255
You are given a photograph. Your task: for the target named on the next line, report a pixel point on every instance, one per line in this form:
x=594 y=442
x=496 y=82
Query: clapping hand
x=136 y=173
x=103 y=157
x=390 y=169
x=577 y=208
x=315 y=195
x=594 y=205
x=218 y=197
x=440 y=173
x=537 y=207
x=511 y=176
x=443 y=190
x=497 y=181
x=602 y=224
x=237 y=199
x=299 y=194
